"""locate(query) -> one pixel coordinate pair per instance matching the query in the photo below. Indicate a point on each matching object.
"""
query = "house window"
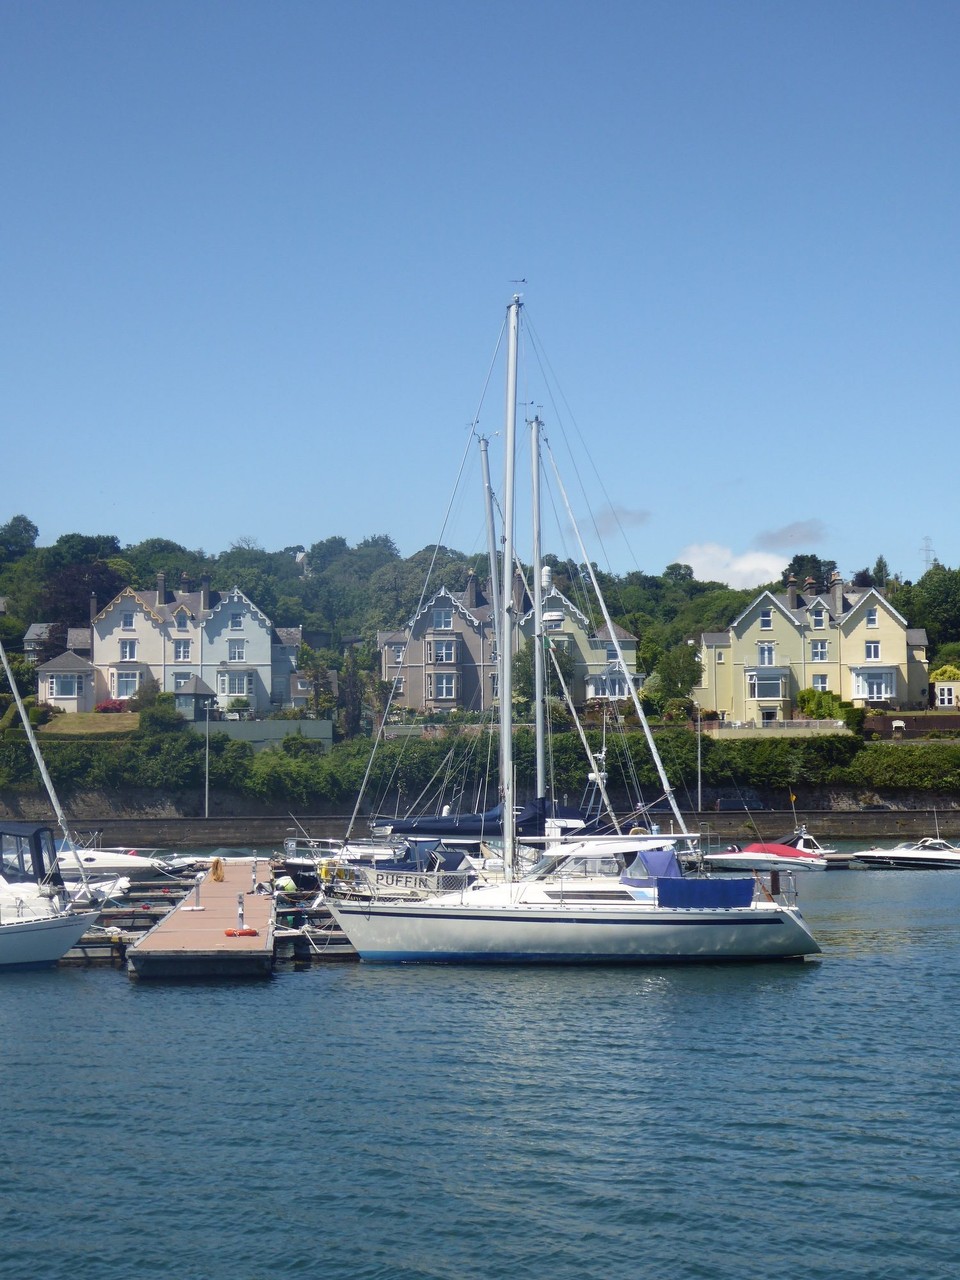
(443, 619)
(398, 684)
(612, 655)
(945, 696)
(719, 656)
(765, 655)
(445, 651)
(180, 678)
(871, 651)
(553, 622)
(236, 622)
(818, 619)
(181, 622)
(874, 687)
(126, 621)
(446, 686)
(820, 684)
(766, 619)
(236, 683)
(818, 650)
(181, 650)
(762, 686)
(127, 683)
(872, 617)
(235, 650)
(66, 686)
(128, 650)
(398, 651)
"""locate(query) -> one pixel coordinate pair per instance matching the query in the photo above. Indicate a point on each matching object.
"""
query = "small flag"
(793, 798)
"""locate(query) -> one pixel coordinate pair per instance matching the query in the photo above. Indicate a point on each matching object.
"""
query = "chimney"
(836, 588)
(470, 593)
(205, 591)
(809, 586)
(791, 592)
(161, 588)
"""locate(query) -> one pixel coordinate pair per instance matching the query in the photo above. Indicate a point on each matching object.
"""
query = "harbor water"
(420, 1123)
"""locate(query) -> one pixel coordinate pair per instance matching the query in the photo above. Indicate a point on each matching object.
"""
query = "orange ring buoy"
(242, 933)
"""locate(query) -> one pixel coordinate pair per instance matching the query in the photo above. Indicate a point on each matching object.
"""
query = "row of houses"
(213, 647)
(842, 640)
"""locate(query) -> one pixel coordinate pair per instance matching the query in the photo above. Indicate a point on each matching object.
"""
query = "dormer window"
(181, 622)
(766, 619)
(818, 619)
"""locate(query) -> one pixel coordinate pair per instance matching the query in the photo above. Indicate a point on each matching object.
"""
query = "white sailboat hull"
(434, 932)
(37, 943)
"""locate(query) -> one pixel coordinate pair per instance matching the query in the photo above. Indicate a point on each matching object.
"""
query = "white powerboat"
(764, 856)
(131, 864)
(37, 926)
(931, 852)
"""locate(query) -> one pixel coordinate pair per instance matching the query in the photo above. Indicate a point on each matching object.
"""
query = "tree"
(351, 694)
(315, 665)
(807, 565)
(881, 573)
(17, 537)
(679, 671)
(523, 680)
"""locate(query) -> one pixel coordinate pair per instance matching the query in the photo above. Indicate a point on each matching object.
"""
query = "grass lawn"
(85, 723)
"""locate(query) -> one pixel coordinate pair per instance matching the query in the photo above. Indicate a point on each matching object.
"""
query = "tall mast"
(539, 692)
(507, 615)
(491, 546)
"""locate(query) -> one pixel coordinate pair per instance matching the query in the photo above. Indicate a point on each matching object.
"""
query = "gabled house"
(445, 658)
(843, 640)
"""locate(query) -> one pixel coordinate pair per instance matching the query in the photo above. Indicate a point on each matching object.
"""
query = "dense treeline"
(408, 774)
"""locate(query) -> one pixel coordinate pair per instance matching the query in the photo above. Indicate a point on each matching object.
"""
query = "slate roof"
(69, 662)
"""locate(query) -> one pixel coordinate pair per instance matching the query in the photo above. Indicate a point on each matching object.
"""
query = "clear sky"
(257, 255)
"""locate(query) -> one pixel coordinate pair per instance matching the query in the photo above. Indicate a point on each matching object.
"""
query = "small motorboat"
(765, 855)
(132, 864)
(930, 853)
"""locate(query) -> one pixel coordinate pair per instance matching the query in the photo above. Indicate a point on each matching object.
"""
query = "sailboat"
(624, 900)
(37, 925)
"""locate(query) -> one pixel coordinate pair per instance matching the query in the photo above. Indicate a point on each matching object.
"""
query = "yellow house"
(844, 640)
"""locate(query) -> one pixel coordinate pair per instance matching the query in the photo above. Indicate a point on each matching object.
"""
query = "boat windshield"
(580, 864)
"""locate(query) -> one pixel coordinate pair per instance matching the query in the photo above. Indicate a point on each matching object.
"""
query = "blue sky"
(257, 256)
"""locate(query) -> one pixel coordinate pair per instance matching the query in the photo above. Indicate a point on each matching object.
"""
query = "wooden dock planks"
(197, 943)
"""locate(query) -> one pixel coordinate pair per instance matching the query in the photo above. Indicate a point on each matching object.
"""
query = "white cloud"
(711, 562)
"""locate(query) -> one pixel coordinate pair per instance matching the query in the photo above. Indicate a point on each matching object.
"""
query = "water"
(426, 1124)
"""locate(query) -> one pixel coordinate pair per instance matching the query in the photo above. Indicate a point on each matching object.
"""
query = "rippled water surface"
(405, 1124)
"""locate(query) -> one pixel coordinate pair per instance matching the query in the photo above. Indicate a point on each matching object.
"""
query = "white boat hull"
(431, 932)
(37, 943)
